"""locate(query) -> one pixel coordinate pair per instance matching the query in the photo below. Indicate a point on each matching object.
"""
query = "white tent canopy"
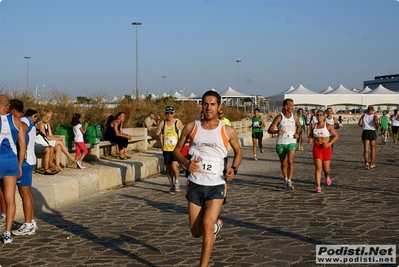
(341, 90)
(339, 96)
(380, 90)
(179, 96)
(327, 90)
(288, 90)
(192, 95)
(230, 93)
(301, 90)
(365, 90)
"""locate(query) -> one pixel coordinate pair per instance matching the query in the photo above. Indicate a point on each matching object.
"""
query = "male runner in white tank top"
(370, 124)
(206, 185)
(288, 128)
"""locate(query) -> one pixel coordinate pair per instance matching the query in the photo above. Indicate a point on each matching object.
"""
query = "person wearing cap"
(150, 120)
(223, 118)
(370, 124)
(168, 132)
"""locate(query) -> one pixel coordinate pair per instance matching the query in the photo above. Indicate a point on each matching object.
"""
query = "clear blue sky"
(83, 48)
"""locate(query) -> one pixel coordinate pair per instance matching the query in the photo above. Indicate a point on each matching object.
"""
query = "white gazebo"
(230, 94)
(338, 98)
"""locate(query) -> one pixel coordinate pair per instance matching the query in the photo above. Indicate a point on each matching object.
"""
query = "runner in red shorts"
(322, 148)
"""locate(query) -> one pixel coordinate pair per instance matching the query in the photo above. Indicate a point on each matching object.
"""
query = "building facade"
(390, 82)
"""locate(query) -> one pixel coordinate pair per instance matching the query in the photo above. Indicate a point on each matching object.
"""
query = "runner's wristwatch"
(235, 169)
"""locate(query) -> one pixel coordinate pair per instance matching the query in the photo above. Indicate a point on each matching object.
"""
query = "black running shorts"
(199, 194)
(369, 135)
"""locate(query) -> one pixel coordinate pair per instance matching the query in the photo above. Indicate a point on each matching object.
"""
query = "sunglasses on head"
(169, 113)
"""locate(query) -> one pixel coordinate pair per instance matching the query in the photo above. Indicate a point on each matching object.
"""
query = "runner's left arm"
(235, 145)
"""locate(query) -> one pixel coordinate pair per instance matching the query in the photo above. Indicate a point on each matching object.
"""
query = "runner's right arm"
(191, 166)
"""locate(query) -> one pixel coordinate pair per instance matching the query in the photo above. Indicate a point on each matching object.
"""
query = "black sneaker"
(172, 189)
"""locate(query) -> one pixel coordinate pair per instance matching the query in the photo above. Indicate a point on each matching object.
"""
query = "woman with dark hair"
(79, 131)
(114, 133)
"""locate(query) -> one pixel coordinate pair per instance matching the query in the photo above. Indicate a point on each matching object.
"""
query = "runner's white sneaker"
(177, 186)
(24, 230)
(2, 220)
(218, 225)
(35, 227)
(285, 184)
(7, 238)
(289, 185)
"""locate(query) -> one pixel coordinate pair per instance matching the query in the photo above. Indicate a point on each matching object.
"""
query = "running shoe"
(289, 185)
(367, 167)
(219, 224)
(255, 158)
(79, 164)
(7, 238)
(177, 186)
(318, 189)
(285, 184)
(35, 227)
(328, 180)
(172, 189)
(372, 165)
(24, 230)
(2, 220)
(261, 150)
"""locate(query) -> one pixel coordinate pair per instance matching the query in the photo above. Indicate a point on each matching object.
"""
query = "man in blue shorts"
(206, 186)
(11, 159)
(24, 182)
(288, 128)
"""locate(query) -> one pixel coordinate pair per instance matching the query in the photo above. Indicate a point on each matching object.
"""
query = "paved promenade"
(143, 225)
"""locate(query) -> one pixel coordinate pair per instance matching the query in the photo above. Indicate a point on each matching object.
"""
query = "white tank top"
(330, 121)
(368, 122)
(395, 120)
(211, 146)
(78, 133)
(289, 126)
(8, 138)
(321, 132)
(30, 141)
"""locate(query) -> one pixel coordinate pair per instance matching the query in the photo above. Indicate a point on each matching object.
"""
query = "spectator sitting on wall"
(151, 120)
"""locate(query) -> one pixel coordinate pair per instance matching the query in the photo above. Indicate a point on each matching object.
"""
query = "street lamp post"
(182, 92)
(238, 61)
(43, 92)
(137, 58)
(164, 78)
(27, 72)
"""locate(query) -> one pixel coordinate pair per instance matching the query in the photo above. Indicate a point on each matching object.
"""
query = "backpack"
(176, 129)
(93, 134)
(67, 131)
